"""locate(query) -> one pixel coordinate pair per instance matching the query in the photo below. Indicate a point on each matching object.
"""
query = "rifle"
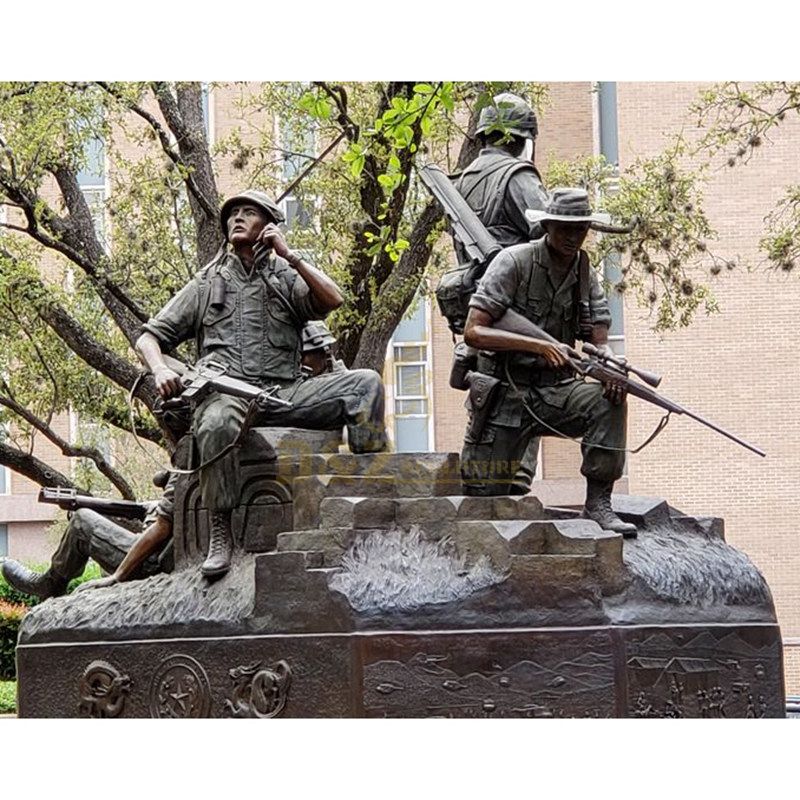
(199, 381)
(70, 500)
(610, 369)
(458, 285)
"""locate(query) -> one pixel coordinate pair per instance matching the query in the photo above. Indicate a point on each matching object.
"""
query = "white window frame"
(392, 387)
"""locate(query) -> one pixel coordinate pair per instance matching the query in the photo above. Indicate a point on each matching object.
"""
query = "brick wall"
(730, 367)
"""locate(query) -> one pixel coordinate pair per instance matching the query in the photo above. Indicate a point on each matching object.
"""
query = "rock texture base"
(382, 591)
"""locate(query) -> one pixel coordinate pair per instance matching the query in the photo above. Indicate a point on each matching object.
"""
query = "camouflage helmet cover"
(257, 198)
(511, 111)
(316, 335)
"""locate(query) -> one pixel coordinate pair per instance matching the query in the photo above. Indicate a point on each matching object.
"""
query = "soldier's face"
(245, 222)
(566, 238)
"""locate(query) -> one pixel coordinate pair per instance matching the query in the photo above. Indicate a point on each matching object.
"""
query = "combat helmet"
(511, 111)
(257, 198)
(316, 335)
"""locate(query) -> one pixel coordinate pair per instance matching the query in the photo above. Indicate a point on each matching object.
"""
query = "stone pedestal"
(370, 586)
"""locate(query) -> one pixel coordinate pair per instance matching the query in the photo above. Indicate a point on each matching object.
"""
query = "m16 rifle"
(199, 381)
(70, 500)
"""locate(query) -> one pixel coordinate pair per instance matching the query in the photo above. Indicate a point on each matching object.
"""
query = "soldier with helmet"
(318, 357)
(499, 186)
(246, 310)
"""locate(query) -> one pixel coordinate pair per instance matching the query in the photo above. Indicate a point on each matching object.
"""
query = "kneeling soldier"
(549, 282)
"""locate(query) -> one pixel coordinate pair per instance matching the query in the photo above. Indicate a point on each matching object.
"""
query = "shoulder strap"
(272, 284)
(500, 193)
(583, 277)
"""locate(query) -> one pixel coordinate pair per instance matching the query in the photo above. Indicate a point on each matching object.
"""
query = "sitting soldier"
(246, 311)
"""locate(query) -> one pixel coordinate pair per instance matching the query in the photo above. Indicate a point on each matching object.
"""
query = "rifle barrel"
(718, 429)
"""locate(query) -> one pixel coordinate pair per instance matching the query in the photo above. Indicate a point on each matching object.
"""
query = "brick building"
(724, 366)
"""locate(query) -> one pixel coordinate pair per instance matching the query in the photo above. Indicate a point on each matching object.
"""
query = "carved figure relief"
(707, 676)
(103, 690)
(258, 691)
(431, 685)
(180, 689)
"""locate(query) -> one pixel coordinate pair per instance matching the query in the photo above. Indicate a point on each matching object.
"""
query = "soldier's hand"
(168, 382)
(614, 392)
(272, 238)
(556, 355)
(97, 583)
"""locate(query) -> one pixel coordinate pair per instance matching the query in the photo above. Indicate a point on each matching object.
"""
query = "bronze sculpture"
(246, 310)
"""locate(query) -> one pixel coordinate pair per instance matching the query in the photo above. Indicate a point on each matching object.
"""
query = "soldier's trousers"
(575, 408)
(352, 398)
(91, 535)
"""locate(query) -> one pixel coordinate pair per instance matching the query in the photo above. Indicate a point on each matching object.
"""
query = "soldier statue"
(500, 185)
(549, 282)
(246, 310)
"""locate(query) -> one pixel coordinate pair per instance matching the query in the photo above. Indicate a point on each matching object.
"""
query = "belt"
(541, 377)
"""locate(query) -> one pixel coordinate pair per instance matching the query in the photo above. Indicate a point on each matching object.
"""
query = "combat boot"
(598, 508)
(41, 584)
(220, 545)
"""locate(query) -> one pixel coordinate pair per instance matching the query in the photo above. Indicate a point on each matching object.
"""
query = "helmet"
(255, 197)
(316, 335)
(511, 111)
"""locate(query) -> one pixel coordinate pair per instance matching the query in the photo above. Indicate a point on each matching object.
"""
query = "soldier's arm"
(325, 294)
(148, 348)
(146, 544)
(525, 191)
(175, 323)
(480, 333)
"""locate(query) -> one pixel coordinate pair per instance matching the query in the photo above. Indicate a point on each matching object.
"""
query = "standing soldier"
(499, 186)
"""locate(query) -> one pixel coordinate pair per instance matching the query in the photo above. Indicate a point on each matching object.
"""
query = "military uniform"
(499, 188)
(254, 330)
(520, 278)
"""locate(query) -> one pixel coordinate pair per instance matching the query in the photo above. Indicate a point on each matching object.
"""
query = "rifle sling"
(656, 431)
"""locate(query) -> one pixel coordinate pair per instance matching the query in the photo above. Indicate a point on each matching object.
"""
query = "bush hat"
(566, 205)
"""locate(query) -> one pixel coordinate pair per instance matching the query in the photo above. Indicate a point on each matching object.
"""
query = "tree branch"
(68, 449)
(33, 468)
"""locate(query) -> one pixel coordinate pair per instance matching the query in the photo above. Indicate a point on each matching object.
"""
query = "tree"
(737, 119)
(74, 297)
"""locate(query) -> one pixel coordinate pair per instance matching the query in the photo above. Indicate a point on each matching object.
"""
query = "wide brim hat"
(567, 205)
(257, 198)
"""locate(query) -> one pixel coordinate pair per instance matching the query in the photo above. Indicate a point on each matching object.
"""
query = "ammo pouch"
(454, 291)
(482, 393)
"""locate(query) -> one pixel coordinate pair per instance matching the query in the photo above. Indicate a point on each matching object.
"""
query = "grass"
(8, 697)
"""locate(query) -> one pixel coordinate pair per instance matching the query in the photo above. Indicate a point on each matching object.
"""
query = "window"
(3, 540)
(299, 149)
(616, 333)
(92, 180)
(410, 373)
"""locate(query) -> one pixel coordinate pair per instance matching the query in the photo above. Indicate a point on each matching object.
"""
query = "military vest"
(483, 185)
(554, 309)
(252, 328)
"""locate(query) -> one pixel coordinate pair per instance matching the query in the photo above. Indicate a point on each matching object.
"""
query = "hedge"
(11, 615)
(13, 605)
